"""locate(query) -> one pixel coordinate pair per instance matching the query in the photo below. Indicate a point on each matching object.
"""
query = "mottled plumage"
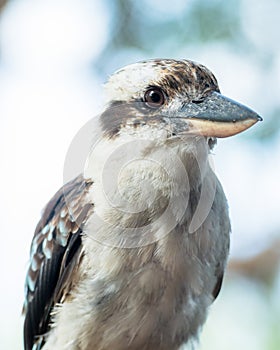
(55, 255)
(104, 275)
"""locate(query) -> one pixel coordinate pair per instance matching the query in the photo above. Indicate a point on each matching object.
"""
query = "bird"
(131, 253)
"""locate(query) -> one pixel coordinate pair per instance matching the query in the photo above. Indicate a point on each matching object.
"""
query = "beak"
(218, 116)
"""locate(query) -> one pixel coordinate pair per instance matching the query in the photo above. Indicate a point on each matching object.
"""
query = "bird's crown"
(172, 76)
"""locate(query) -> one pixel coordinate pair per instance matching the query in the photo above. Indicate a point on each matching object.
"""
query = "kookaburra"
(131, 253)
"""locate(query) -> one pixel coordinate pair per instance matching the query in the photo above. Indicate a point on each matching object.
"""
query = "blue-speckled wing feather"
(55, 253)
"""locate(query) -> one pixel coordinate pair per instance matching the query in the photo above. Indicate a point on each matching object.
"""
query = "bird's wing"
(218, 285)
(55, 254)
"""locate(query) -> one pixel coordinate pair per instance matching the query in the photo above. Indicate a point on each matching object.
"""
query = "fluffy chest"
(150, 297)
(146, 279)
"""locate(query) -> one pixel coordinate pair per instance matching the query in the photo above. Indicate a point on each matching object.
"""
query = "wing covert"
(55, 253)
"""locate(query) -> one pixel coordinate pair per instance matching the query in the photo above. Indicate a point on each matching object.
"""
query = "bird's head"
(161, 119)
(181, 97)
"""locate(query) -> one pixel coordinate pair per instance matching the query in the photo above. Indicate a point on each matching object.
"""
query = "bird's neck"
(140, 185)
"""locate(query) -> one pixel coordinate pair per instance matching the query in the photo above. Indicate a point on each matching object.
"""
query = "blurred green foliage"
(134, 25)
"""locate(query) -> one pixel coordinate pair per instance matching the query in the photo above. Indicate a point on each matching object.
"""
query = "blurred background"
(54, 57)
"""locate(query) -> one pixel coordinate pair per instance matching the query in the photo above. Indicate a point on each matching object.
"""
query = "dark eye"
(154, 97)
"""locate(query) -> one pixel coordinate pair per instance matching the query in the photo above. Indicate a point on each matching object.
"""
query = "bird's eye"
(154, 97)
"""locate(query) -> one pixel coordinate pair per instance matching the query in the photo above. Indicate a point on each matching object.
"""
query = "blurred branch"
(262, 267)
(2, 4)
